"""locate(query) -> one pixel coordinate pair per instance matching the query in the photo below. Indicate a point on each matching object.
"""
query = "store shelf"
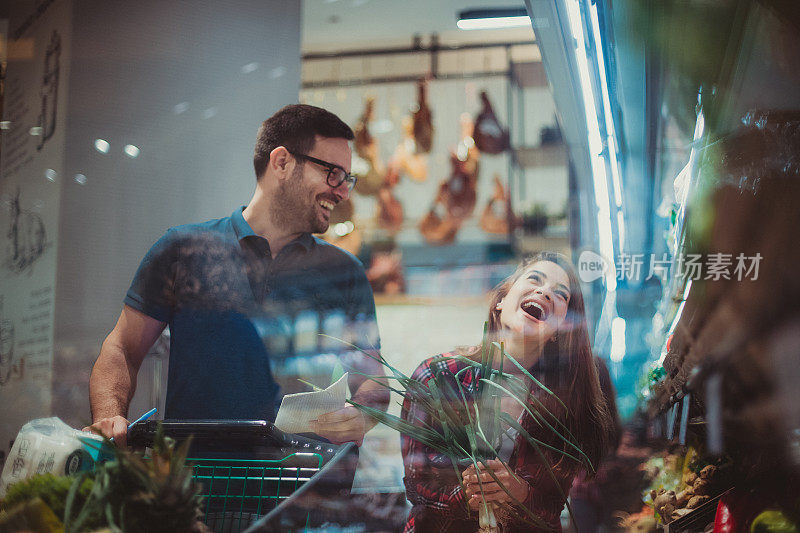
(528, 244)
(405, 299)
(698, 519)
(529, 74)
(735, 339)
(541, 156)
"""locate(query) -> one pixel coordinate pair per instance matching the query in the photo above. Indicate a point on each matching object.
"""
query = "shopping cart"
(255, 477)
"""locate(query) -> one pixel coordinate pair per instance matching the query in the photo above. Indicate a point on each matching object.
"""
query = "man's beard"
(289, 209)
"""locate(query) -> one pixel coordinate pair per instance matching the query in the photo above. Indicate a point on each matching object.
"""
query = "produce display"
(127, 493)
(773, 521)
(683, 483)
(686, 484)
(697, 491)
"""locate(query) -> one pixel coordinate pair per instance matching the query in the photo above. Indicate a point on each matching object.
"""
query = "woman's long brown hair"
(566, 366)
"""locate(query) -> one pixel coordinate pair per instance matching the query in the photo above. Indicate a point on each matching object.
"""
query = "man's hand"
(492, 491)
(348, 424)
(115, 428)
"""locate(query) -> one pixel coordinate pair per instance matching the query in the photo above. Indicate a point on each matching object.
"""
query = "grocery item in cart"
(48, 445)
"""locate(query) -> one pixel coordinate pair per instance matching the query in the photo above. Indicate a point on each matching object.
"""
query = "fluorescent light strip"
(699, 129)
(700, 126)
(618, 339)
(609, 118)
(607, 249)
(614, 164)
(680, 308)
(605, 235)
(687, 289)
(492, 23)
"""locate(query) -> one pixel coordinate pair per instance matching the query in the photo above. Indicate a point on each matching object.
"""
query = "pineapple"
(129, 493)
(140, 495)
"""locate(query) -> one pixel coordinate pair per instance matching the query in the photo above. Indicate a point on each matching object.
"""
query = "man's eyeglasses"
(336, 174)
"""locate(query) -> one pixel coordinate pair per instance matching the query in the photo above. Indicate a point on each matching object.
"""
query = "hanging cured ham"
(490, 137)
(367, 166)
(423, 122)
(390, 210)
(385, 272)
(350, 240)
(491, 222)
(363, 139)
(461, 186)
(457, 194)
(344, 213)
(370, 176)
(406, 159)
(439, 229)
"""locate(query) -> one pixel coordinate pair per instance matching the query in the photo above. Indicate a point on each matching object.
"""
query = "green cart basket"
(255, 477)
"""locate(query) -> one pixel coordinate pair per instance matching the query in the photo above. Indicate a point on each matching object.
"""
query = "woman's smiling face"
(536, 303)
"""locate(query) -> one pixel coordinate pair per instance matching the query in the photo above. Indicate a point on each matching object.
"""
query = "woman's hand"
(492, 491)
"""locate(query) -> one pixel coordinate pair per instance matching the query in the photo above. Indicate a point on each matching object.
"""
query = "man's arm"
(113, 379)
(350, 423)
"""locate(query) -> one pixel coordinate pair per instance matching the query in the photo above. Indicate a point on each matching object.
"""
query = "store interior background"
(188, 84)
(444, 304)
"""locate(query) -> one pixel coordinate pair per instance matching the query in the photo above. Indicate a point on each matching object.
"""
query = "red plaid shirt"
(431, 483)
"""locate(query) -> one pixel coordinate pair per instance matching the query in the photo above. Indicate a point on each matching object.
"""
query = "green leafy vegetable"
(466, 427)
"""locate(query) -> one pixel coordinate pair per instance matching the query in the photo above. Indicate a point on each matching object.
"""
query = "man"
(239, 292)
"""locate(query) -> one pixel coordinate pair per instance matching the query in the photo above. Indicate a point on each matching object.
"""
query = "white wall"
(33, 152)
(132, 64)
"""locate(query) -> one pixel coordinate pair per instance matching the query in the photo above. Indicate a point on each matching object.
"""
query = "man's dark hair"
(295, 127)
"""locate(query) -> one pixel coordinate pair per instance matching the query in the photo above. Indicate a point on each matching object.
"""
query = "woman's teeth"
(535, 310)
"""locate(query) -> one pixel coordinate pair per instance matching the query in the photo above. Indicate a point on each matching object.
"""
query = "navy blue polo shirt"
(232, 310)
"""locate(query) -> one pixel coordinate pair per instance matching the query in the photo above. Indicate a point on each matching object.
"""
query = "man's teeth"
(326, 204)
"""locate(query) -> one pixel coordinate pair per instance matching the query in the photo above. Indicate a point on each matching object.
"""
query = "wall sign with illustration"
(31, 172)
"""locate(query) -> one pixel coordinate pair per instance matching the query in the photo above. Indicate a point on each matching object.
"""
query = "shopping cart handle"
(229, 435)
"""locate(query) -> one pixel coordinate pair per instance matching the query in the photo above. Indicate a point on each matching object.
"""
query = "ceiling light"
(250, 67)
(131, 151)
(101, 145)
(486, 19)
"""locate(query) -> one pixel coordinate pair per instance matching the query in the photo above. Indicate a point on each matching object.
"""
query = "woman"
(538, 315)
